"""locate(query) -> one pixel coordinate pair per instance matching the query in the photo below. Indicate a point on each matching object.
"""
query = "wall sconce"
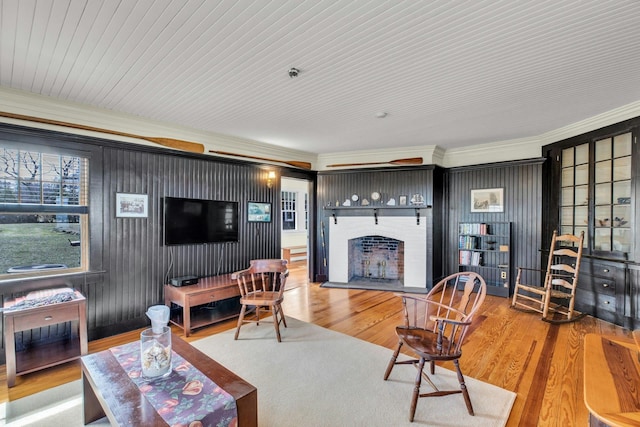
(270, 178)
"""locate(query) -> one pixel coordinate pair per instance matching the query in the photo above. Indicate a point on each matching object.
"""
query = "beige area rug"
(314, 377)
(318, 377)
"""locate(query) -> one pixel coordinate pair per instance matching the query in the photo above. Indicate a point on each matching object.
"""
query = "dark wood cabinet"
(602, 291)
(591, 185)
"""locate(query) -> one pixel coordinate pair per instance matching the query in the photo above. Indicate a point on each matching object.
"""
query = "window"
(289, 214)
(43, 212)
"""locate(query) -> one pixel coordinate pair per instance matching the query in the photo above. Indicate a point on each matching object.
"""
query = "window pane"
(582, 215)
(621, 240)
(567, 196)
(567, 157)
(567, 216)
(603, 194)
(585, 242)
(567, 177)
(45, 241)
(582, 154)
(621, 215)
(582, 174)
(602, 240)
(603, 171)
(582, 195)
(622, 192)
(603, 149)
(622, 145)
(622, 168)
(603, 216)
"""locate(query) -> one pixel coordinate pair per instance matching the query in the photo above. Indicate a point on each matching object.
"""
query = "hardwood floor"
(541, 362)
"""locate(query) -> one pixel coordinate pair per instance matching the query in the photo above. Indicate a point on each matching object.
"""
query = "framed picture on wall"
(259, 212)
(487, 200)
(131, 205)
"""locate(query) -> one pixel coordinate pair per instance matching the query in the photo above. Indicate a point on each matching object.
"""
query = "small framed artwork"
(259, 212)
(131, 205)
(402, 200)
(487, 200)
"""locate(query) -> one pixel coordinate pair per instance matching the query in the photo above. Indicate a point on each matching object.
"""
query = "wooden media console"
(211, 300)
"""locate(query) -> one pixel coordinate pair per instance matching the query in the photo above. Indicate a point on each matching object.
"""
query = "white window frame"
(47, 204)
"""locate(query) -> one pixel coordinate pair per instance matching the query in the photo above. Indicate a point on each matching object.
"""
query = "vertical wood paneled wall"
(129, 263)
(137, 263)
(390, 183)
(522, 183)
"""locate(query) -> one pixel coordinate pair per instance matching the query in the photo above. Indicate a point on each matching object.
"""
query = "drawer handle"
(605, 285)
(606, 270)
(48, 318)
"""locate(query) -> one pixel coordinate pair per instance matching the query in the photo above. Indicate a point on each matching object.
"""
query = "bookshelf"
(485, 248)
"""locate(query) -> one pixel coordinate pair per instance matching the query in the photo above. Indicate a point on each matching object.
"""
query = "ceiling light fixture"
(381, 115)
(293, 72)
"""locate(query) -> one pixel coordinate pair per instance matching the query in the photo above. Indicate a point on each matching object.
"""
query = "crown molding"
(431, 155)
(25, 103)
(21, 102)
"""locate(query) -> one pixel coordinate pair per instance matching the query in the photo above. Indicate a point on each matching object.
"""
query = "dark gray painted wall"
(128, 261)
(522, 183)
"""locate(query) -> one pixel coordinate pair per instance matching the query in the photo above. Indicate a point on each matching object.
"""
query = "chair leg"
(392, 362)
(280, 311)
(276, 324)
(463, 387)
(416, 390)
(240, 320)
(546, 302)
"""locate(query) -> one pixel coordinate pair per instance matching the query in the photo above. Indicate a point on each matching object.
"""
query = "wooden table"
(611, 381)
(45, 355)
(214, 289)
(108, 391)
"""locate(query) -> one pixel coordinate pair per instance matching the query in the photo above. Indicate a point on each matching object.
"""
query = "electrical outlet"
(503, 274)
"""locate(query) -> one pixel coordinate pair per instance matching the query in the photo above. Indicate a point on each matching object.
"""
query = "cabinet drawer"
(600, 285)
(214, 295)
(43, 318)
(591, 302)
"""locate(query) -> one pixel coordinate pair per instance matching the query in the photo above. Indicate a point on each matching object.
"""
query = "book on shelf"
(467, 257)
(473, 228)
(467, 242)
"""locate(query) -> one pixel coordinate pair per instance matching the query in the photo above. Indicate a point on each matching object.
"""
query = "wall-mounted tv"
(197, 221)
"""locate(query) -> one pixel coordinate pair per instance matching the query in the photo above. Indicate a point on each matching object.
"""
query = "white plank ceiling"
(448, 73)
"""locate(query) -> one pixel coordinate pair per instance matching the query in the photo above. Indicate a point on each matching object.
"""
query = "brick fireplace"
(376, 258)
(393, 250)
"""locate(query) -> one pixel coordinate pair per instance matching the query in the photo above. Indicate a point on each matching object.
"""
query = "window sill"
(28, 283)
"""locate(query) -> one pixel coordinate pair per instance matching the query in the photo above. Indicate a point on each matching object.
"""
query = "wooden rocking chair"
(560, 282)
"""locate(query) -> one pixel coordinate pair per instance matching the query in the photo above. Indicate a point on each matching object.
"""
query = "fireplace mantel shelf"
(336, 210)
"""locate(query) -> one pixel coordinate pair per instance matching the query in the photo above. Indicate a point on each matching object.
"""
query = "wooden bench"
(298, 251)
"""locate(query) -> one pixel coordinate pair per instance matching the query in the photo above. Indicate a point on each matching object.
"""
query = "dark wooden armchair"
(262, 287)
(435, 327)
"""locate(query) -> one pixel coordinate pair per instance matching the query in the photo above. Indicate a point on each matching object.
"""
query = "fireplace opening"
(376, 259)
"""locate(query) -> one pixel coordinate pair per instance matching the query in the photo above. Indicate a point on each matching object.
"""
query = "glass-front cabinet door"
(596, 193)
(574, 201)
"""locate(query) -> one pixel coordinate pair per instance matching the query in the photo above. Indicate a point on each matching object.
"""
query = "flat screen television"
(198, 221)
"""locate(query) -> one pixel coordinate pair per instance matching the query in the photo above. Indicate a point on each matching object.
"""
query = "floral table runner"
(186, 397)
